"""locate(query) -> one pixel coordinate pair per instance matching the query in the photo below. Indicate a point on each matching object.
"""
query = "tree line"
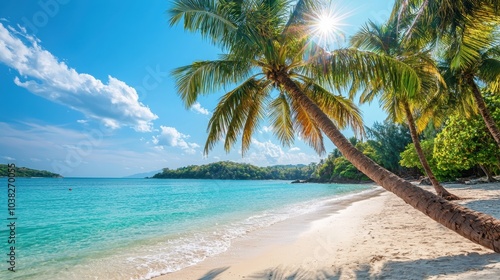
(228, 170)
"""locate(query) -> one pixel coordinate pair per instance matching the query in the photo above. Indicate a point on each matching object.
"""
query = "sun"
(326, 25)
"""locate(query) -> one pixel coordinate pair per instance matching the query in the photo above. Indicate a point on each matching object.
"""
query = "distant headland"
(27, 172)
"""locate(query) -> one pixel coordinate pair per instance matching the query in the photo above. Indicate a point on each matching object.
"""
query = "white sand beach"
(377, 236)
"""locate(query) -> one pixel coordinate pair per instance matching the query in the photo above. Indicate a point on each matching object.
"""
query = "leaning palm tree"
(464, 82)
(386, 40)
(271, 64)
(468, 29)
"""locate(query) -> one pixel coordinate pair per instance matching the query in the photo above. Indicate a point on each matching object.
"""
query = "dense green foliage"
(27, 172)
(336, 168)
(462, 144)
(386, 142)
(409, 158)
(465, 143)
(238, 171)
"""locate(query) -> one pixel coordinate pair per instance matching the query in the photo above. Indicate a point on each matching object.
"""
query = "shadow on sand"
(297, 274)
(489, 206)
(446, 265)
(408, 270)
(213, 273)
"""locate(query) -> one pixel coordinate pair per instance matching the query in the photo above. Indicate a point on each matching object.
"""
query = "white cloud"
(294, 149)
(267, 153)
(73, 153)
(82, 121)
(197, 108)
(115, 104)
(170, 137)
(270, 151)
(266, 129)
(9, 158)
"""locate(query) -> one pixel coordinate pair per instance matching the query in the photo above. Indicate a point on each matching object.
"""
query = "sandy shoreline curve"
(371, 236)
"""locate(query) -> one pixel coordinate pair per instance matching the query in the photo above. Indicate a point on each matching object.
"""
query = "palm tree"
(386, 40)
(468, 29)
(440, 16)
(267, 52)
(464, 81)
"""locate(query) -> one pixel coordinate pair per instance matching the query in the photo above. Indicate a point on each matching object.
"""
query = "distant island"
(228, 170)
(27, 172)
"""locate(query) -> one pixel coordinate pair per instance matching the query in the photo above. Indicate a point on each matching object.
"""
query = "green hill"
(27, 172)
(237, 171)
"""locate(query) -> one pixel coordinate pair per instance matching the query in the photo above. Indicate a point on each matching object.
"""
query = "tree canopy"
(27, 172)
(464, 143)
(238, 171)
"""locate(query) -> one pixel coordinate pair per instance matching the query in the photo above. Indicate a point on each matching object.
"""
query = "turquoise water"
(141, 228)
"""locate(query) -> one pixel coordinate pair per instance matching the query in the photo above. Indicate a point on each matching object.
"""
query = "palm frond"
(207, 76)
(434, 112)
(281, 120)
(298, 16)
(372, 38)
(370, 69)
(459, 94)
(307, 127)
(255, 113)
(211, 18)
(232, 112)
(466, 51)
(341, 110)
(489, 72)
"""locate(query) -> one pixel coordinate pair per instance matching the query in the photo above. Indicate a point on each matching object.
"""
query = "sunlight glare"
(326, 25)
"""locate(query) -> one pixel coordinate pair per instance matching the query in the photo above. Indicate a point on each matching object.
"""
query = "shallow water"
(141, 228)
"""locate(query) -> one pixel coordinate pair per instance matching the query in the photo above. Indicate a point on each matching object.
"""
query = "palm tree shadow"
(213, 273)
(426, 268)
(281, 273)
(416, 269)
(489, 206)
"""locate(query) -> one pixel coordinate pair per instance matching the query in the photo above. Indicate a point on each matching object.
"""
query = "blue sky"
(86, 90)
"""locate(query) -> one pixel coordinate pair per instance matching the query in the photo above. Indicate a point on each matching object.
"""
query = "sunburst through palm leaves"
(326, 24)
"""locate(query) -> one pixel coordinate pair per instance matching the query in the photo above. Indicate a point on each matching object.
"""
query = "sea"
(100, 228)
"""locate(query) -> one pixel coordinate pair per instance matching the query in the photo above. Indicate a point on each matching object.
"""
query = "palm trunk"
(478, 227)
(440, 190)
(485, 113)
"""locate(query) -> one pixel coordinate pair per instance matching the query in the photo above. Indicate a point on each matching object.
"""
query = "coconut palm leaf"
(281, 119)
(307, 127)
(367, 68)
(489, 71)
(233, 112)
(208, 17)
(342, 111)
(207, 76)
